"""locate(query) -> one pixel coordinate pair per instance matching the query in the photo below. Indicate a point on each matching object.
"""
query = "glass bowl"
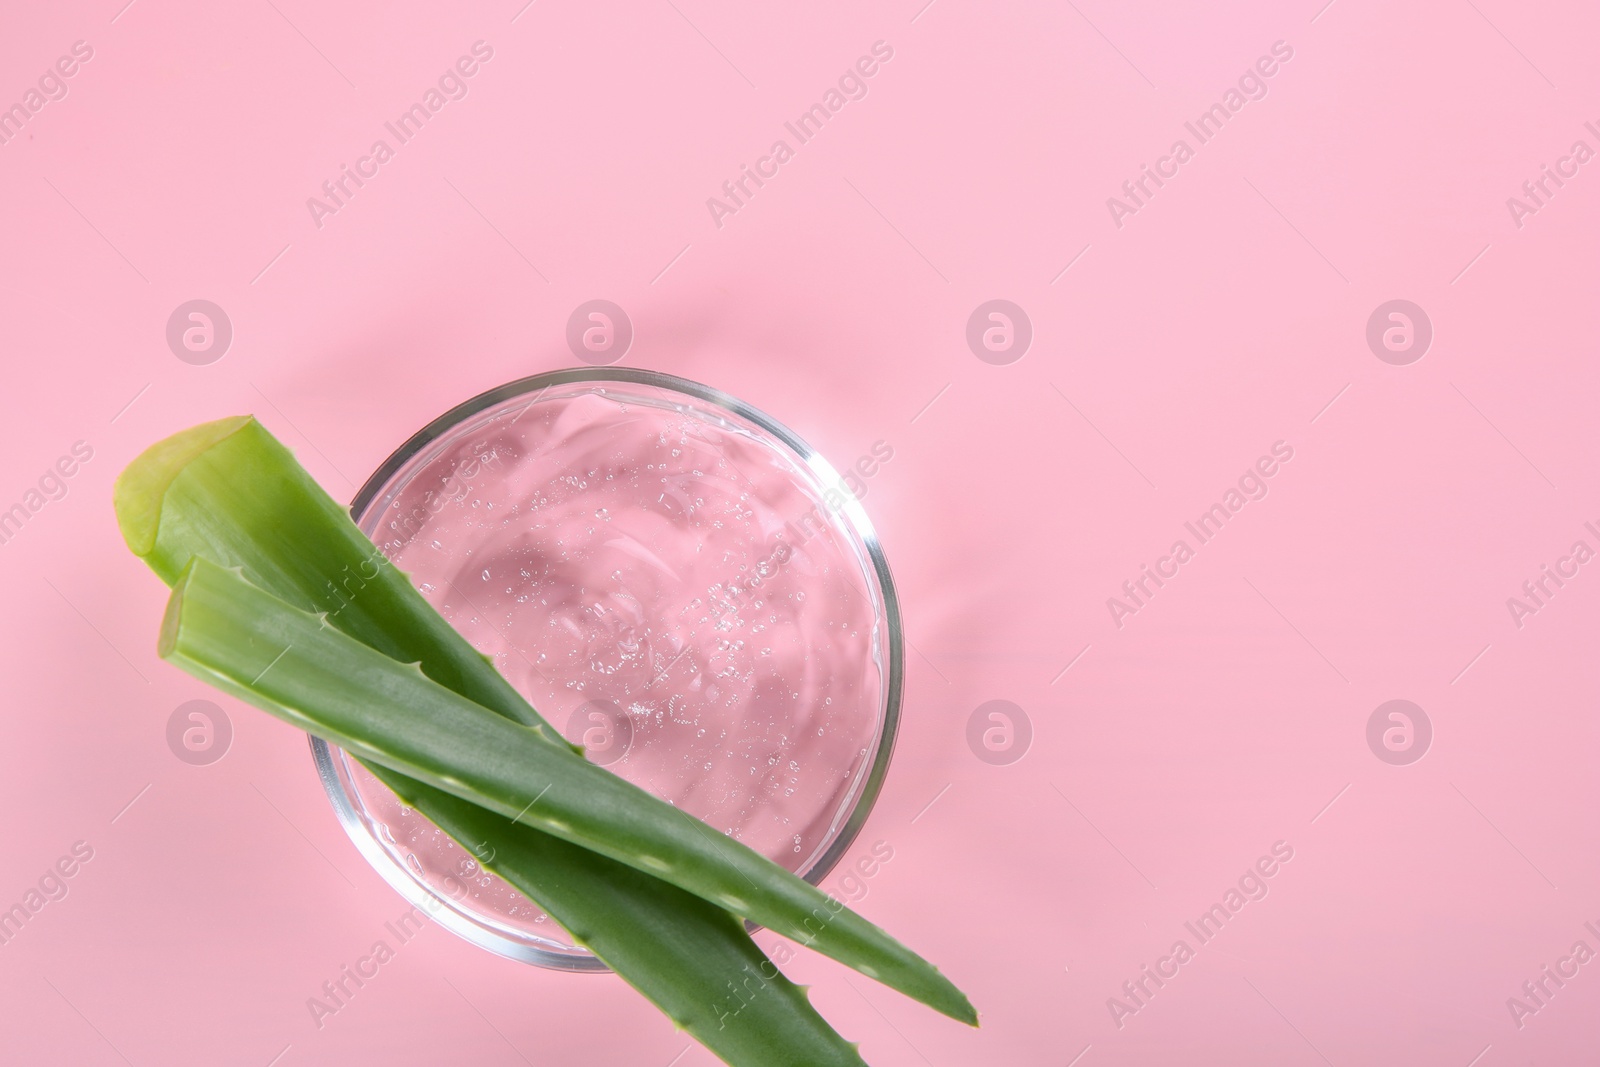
(677, 582)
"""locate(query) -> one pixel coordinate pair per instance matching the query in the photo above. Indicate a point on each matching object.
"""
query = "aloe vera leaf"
(230, 491)
(702, 968)
(692, 959)
(243, 640)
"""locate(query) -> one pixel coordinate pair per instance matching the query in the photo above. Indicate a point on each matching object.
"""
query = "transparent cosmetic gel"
(664, 573)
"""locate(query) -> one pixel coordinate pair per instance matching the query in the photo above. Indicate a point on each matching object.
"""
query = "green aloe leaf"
(230, 491)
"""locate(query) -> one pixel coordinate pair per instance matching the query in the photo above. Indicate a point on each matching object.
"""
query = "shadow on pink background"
(1175, 342)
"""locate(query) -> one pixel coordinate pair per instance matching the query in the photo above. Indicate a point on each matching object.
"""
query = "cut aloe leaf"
(701, 969)
(293, 664)
(231, 492)
(693, 960)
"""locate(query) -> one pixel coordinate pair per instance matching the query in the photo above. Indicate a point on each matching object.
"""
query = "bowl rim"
(581, 960)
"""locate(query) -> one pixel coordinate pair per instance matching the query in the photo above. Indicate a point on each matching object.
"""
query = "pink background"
(1227, 314)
